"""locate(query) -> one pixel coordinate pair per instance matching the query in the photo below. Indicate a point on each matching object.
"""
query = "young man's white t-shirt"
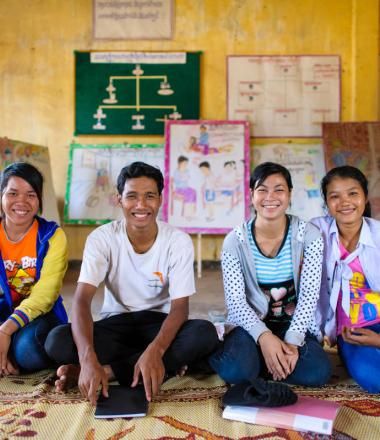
(135, 282)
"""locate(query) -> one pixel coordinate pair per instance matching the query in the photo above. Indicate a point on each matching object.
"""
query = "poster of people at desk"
(207, 173)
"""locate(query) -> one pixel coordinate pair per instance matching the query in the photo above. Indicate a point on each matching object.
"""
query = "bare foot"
(182, 371)
(67, 377)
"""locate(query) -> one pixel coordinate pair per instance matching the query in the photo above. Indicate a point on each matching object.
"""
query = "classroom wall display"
(206, 172)
(16, 151)
(306, 165)
(134, 92)
(91, 196)
(134, 19)
(284, 96)
(356, 144)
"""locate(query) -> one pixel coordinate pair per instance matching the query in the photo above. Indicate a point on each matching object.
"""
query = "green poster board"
(134, 92)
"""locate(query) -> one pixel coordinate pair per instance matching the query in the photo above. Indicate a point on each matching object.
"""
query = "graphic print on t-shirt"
(21, 282)
(157, 281)
(282, 301)
(20, 261)
(364, 302)
(21, 277)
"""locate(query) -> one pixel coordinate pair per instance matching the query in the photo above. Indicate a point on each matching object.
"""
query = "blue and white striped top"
(276, 269)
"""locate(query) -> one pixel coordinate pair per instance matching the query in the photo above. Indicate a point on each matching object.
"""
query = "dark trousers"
(27, 347)
(120, 340)
(240, 359)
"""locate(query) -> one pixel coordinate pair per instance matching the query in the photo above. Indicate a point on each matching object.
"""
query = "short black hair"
(204, 164)
(347, 172)
(27, 172)
(266, 169)
(182, 159)
(140, 169)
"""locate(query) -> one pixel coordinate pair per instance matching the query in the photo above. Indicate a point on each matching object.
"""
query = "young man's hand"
(151, 367)
(92, 374)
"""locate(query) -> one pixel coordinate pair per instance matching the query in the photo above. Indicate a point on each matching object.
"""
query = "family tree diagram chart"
(284, 96)
(91, 196)
(134, 92)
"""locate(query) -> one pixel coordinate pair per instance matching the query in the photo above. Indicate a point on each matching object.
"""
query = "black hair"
(266, 169)
(182, 159)
(230, 162)
(204, 164)
(139, 169)
(347, 172)
(27, 172)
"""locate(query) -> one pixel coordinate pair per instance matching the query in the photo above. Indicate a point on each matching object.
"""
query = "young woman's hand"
(11, 368)
(361, 336)
(275, 353)
(293, 357)
(5, 342)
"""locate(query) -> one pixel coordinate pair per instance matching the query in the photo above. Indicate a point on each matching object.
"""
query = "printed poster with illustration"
(306, 165)
(207, 173)
(356, 144)
(284, 96)
(91, 196)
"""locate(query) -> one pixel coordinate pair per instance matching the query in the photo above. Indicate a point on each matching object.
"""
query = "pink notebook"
(308, 414)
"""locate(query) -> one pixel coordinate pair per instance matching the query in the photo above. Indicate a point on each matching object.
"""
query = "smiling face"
(140, 202)
(271, 198)
(345, 201)
(19, 203)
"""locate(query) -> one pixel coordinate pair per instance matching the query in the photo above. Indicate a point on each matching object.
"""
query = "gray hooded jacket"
(247, 305)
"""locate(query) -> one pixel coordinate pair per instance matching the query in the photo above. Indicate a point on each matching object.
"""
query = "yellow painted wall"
(38, 37)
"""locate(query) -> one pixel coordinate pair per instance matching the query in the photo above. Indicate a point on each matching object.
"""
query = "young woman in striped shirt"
(272, 268)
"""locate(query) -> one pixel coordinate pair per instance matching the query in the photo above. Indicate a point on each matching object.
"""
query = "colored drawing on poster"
(207, 170)
(306, 165)
(91, 196)
(356, 144)
(37, 155)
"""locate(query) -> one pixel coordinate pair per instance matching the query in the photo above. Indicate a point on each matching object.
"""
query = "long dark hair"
(27, 172)
(347, 172)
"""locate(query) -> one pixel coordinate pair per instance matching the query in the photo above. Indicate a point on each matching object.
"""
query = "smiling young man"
(147, 267)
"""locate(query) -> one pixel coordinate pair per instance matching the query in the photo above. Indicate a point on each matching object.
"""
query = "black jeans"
(121, 339)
